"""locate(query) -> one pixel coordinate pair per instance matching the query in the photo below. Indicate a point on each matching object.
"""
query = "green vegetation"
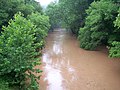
(23, 28)
(98, 25)
(42, 27)
(68, 13)
(54, 14)
(115, 43)
(17, 50)
(4, 85)
(10, 7)
(95, 22)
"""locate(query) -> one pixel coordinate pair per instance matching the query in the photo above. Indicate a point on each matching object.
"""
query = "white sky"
(45, 2)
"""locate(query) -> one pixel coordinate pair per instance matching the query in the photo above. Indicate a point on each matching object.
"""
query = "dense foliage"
(54, 14)
(68, 13)
(4, 85)
(98, 25)
(21, 41)
(115, 43)
(18, 51)
(95, 18)
(42, 27)
(99, 28)
(22, 36)
(10, 7)
(74, 13)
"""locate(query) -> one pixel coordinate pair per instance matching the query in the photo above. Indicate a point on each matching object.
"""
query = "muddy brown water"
(67, 67)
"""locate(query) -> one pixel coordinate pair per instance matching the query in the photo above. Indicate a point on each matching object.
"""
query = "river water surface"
(67, 67)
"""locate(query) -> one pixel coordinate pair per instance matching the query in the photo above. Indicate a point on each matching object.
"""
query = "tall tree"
(98, 24)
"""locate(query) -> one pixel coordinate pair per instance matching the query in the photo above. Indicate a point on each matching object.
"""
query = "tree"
(74, 13)
(10, 7)
(98, 24)
(68, 13)
(42, 27)
(18, 54)
(54, 13)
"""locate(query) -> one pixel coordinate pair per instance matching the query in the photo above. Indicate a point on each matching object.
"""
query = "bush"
(10, 7)
(115, 39)
(98, 25)
(18, 52)
(4, 85)
(115, 50)
(42, 24)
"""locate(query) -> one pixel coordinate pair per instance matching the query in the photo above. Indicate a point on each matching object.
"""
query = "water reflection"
(67, 67)
(54, 78)
(57, 48)
(53, 72)
(56, 66)
(71, 71)
(46, 59)
(53, 75)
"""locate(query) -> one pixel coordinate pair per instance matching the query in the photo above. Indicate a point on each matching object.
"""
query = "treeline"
(23, 28)
(68, 13)
(94, 22)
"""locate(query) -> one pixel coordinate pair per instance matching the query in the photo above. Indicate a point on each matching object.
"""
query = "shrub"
(42, 24)
(115, 49)
(18, 52)
(98, 25)
(4, 85)
(115, 39)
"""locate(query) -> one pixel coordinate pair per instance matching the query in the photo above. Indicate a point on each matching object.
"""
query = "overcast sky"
(45, 2)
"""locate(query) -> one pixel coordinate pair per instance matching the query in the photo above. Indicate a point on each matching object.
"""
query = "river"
(67, 67)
